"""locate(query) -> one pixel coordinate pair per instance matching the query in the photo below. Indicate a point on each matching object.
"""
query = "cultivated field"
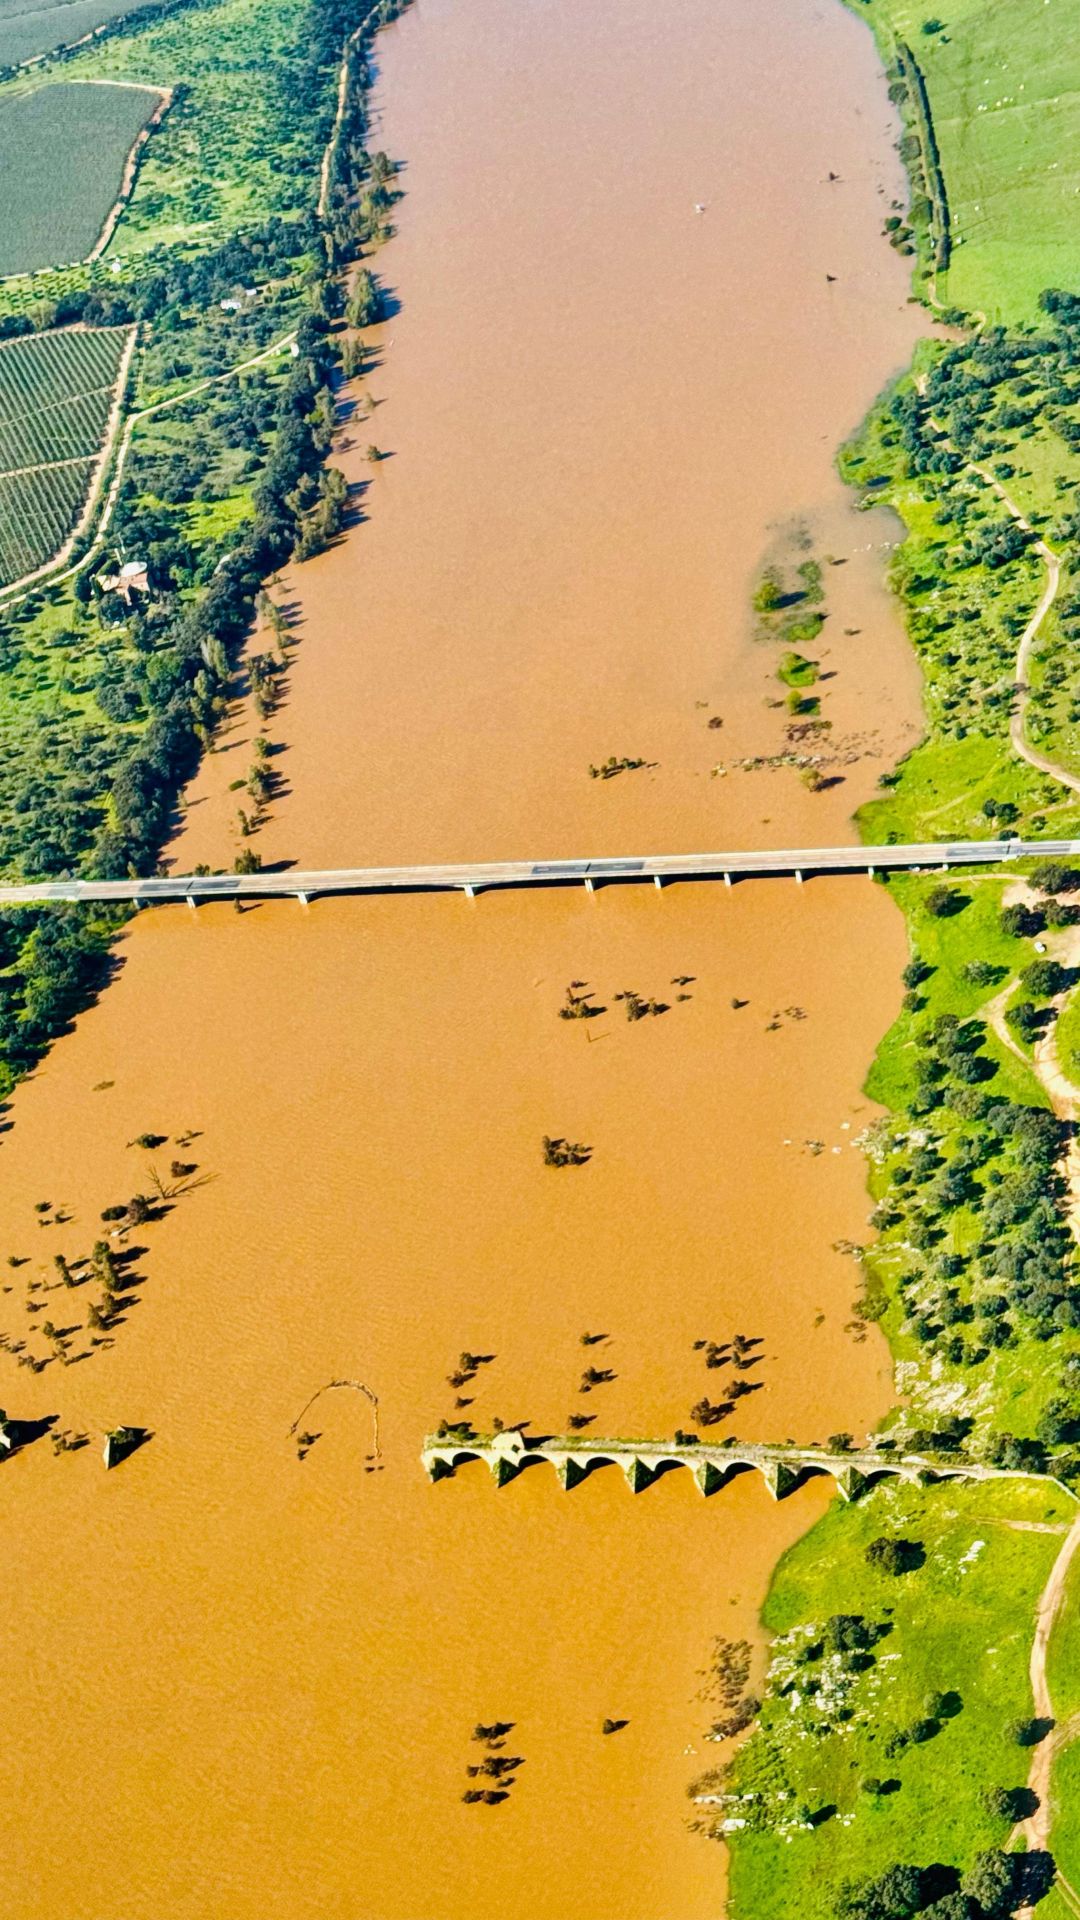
(56, 390)
(234, 152)
(27, 29)
(68, 135)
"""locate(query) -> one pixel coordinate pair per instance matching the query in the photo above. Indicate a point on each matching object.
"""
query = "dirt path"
(1034, 626)
(9, 595)
(339, 115)
(1064, 1099)
(131, 164)
(1030, 634)
(1036, 1828)
(994, 1014)
(112, 428)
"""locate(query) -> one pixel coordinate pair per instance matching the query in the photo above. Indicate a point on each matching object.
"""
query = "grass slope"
(1004, 83)
(960, 1626)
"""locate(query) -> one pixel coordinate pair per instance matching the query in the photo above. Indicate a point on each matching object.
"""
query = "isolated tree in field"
(1009, 1803)
(1027, 1732)
(942, 902)
(981, 973)
(1025, 1019)
(990, 1881)
(1052, 876)
(1044, 978)
(895, 1555)
(1022, 923)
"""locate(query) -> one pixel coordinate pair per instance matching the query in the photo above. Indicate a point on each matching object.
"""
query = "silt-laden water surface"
(242, 1684)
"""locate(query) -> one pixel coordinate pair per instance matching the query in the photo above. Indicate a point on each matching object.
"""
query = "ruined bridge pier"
(783, 1469)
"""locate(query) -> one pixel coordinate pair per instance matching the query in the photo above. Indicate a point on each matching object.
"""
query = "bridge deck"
(306, 884)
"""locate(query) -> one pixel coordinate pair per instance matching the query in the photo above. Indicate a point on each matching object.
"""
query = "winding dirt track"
(1036, 1827)
(1029, 636)
(1034, 626)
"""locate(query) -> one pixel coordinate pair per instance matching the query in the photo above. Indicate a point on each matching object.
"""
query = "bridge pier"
(192, 903)
(589, 887)
(638, 1473)
(657, 882)
(779, 1477)
(571, 1472)
(469, 891)
(710, 1478)
(727, 878)
(303, 899)
(798, 876)
(504, 1468)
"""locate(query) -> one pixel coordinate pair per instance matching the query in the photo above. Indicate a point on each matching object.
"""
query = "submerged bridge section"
(713, 1466)
(473, 878)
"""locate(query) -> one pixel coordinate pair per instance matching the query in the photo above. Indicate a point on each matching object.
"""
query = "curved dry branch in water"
(357, 1386)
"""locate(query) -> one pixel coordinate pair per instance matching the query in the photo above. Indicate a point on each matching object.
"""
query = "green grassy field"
(1065, 1832)
(959, 1626)
(1004, 85)
(62, 154)
(1068, 1038)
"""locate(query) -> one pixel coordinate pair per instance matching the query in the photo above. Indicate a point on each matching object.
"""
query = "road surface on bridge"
(479, 877)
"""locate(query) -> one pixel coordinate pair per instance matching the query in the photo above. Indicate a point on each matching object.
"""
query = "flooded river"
(244, 1684)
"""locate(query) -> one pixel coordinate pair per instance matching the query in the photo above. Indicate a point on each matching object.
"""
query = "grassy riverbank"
(1004, 89)
(972, 1269)
(887, 1732)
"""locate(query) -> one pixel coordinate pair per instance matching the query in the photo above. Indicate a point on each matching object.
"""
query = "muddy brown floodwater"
(242, 1684)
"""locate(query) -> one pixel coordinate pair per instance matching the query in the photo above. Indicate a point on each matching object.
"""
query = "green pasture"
(956, 1636)
(1004, 84)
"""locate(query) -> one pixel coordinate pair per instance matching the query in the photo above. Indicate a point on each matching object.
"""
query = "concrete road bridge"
(473, 878)
(783, 1468)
